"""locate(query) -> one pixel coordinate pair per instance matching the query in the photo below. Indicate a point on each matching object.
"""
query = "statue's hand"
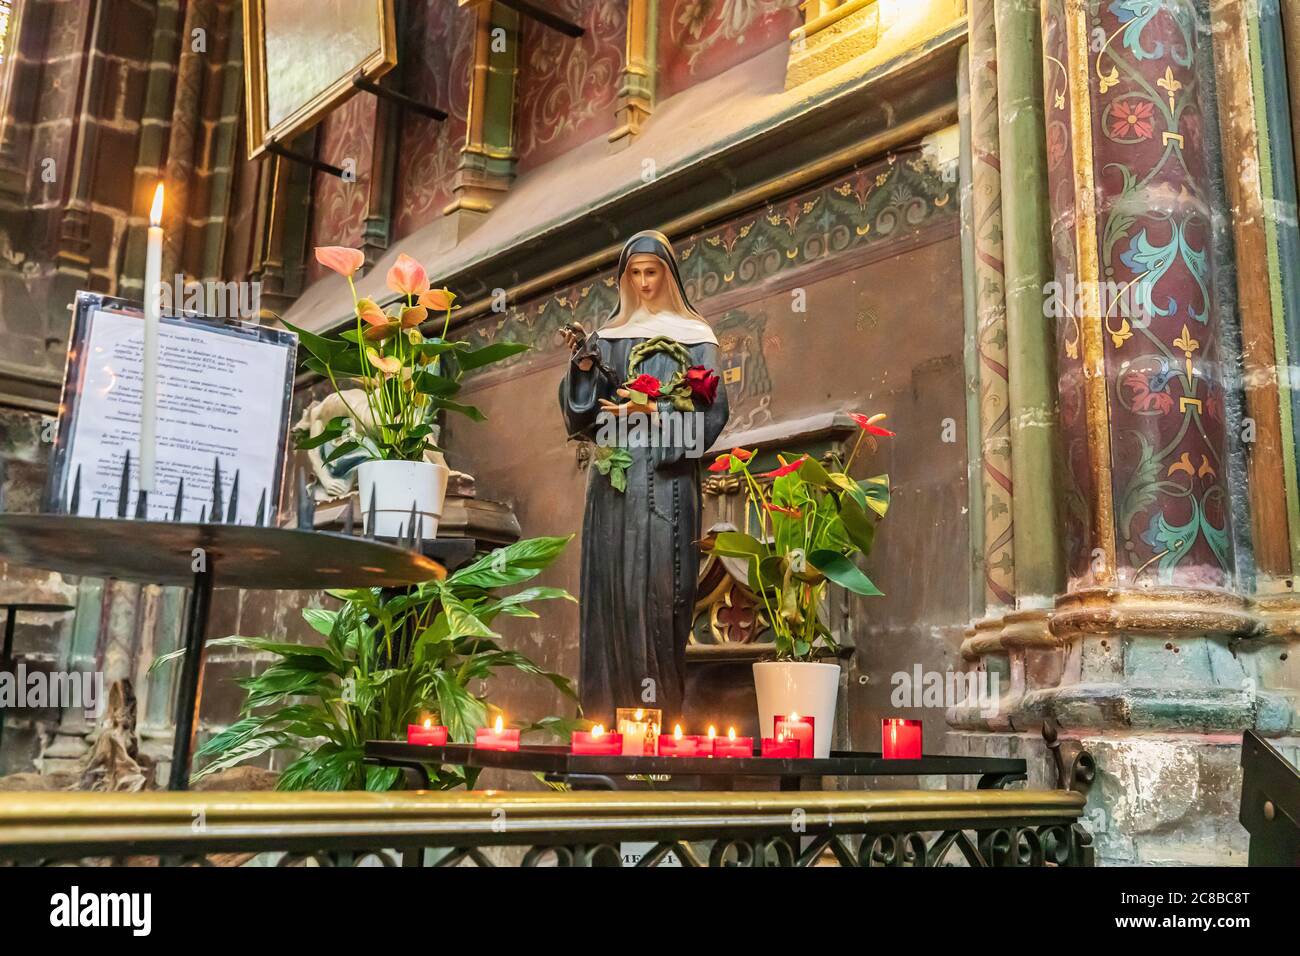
(575, 336)
(627, 408)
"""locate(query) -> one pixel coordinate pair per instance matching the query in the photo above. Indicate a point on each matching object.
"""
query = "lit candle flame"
(598, 730)
(500, 724)
(428, 724)
(155, 211)
(731, 732)
(793, 716)
(713, 731)
(640, 714)
(677, 731)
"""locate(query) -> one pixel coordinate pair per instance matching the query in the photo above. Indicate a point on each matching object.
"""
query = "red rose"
(703, 383)
(647, 385)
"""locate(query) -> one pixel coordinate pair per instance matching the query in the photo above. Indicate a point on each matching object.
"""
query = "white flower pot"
(393, 486)
(796, 687)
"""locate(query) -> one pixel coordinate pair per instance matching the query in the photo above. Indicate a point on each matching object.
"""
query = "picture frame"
(301, 58)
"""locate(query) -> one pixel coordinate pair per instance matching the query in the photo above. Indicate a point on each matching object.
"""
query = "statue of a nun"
(645, 389)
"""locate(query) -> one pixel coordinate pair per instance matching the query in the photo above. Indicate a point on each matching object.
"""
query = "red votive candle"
(496, 738)
(799, 729)
(704, 743)
(787, 749)
(597, 742)
(426, 734)
(900, 739)
(733, 746)
(677, 745)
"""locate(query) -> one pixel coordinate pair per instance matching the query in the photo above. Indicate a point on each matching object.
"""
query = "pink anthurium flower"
(381, 333)
(388, 364)
(413, 316)
(341, 259)
(437, 300)
(407, 276)
(370, 312)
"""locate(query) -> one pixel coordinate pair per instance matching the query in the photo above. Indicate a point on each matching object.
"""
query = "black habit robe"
(640, 550)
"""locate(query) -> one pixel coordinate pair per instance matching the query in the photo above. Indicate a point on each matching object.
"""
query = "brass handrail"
(45, 825)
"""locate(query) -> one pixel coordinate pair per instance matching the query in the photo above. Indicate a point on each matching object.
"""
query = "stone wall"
(41, 641)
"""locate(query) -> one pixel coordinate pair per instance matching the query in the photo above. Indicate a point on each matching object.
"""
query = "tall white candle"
(149, 383)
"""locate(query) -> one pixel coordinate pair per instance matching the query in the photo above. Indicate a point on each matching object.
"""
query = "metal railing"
(581, 828)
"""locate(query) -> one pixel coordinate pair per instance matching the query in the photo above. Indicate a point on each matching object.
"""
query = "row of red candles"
(793, 737)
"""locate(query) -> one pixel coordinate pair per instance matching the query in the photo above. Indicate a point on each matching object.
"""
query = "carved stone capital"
(1178, 610)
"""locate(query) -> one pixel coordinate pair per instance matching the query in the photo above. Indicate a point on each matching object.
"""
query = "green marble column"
(1031, 365)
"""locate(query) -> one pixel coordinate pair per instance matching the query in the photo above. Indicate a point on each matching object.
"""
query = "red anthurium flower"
(407, 276)
(724, 461)
(647, 385)
(786, 469)
(778, 509)
(371, 313)
(869, 425)
(341, 259)
(703, 383)
(437, 300)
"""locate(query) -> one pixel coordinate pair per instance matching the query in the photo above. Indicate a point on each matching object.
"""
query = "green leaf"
(461, 621)
(321, 620)
(250, 748)
(326, 350)
(436, 347)
(341, 449)
(524, 664)
(856, 523)
(813, 472)
(877, 491)
(469, 411)
(489, 354)
(335, 428)
(513, 605)
(381, 779)
(167, 658)
(737, 544)
(767, 574)
(513, 564)
(461, 711)
(241, 730)
(843, 572)
(562, 727)
(434, 385)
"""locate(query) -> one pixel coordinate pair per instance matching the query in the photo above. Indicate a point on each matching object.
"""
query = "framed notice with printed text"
(224, 394)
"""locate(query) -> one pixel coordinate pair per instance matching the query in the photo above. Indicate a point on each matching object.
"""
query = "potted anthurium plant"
(813, 521)
(403, 378)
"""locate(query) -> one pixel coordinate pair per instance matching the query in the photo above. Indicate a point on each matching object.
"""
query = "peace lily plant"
(814, 520)
(402, 379)
(388, 659)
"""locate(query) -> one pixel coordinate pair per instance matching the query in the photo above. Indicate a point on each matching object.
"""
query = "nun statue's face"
(648, 275)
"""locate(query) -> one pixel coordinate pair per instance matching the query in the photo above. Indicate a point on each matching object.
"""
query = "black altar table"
(204, 557)
(587, 772)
